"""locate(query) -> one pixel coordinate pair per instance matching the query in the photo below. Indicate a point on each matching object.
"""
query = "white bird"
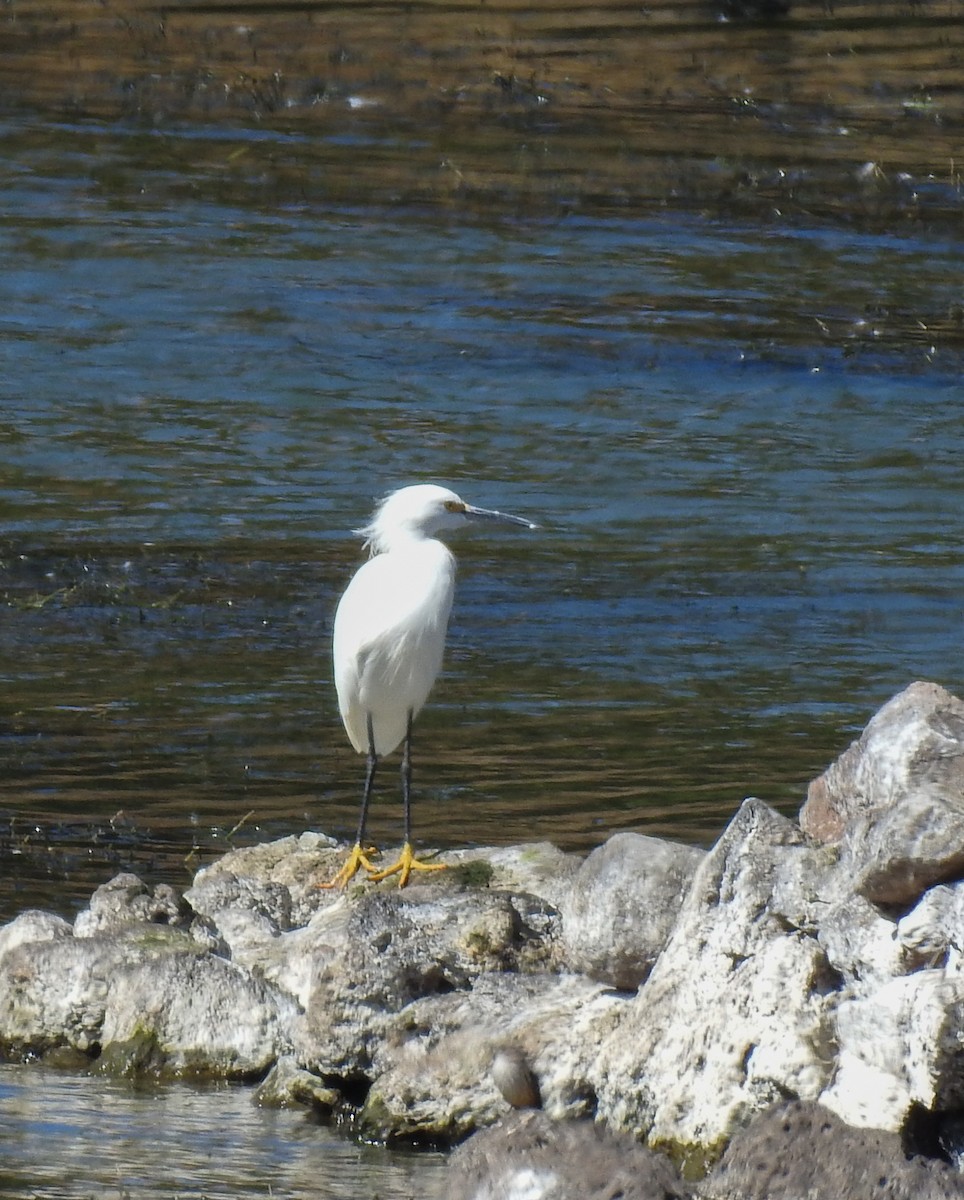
(388, 640)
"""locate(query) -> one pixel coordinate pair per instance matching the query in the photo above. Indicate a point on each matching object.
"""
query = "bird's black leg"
(407, 781)
(370, 765)
(407, 862)
(361, 855)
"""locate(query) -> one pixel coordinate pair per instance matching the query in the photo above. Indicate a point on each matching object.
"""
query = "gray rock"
(33, 925)
(288, 1084)
(53, 994)
(433, 1076)
(295, 864)
(126, 900)
(193, 1015)
(737, 1012)
(141, 998)
(375, 955)
(214, 892)
(622, 906)
(896, 798)
(803, 1152)
(529, 1157)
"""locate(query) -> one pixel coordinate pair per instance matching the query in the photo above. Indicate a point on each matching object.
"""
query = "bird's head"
(422, 511)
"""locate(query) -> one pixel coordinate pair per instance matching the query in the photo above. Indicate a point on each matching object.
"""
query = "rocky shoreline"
(775, 1017)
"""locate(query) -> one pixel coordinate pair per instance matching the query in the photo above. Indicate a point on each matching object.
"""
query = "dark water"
(748, 487)
(741, 438)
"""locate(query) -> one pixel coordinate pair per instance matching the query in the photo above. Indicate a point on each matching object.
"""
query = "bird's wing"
(388, 638)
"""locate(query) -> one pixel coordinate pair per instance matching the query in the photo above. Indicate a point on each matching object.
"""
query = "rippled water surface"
(740, 434)
(745, 466)
(112, 1141)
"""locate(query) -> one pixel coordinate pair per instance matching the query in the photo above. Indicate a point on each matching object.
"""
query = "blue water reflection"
(745, 467)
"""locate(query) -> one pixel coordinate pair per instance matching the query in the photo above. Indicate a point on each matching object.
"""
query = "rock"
(126, 900)
(433, 1078)
(534, 868)
(529, 1157)
(899, 1047)
(737, 1011)
(896, 798)
(622, 906)
(143, 999)
(53, 994)
(932, 933)
(214, 892)
(299, 864)
(193, 1015)
(869, 949)
(288, 1084)
(861, 944)
(376, 955)
(295, 864)
(801, 1151)
(772, 967)
(33, 925)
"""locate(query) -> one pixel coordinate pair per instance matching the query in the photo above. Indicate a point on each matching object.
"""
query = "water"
(740, 435)
(113, 1141)
(747, 486)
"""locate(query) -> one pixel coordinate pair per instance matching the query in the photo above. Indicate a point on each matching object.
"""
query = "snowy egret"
(388, 639)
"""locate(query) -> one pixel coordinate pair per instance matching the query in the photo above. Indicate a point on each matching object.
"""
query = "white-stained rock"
(737, 1011)
(896, 798)
(932, 933)
(126, 900)
(33, 925)
(861, 944)
(143, 997)
(301, 863)
(215, 891)
(376, 955)
(433, 1077)
(622, 905)
(283, 875)
(53, 994)
(900, 1045)
(190, 1014)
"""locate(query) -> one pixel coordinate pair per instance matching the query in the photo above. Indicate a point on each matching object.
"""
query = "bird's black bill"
(490, 514)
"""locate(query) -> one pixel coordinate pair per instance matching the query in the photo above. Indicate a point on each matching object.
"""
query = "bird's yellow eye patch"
(455, 506)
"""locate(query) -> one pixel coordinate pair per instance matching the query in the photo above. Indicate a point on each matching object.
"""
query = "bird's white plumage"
(390, 625)
(389, 637)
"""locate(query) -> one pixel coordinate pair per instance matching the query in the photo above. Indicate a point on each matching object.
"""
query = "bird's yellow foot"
(356, 860)
(406, 864)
